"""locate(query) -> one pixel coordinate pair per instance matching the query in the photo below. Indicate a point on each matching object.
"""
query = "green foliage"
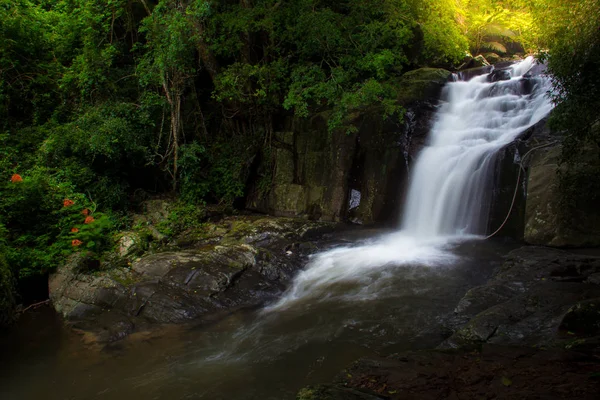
(40, 220)
(27, 70)
(491, 24)
(7, 287)
(192, 172)
(572, 38)
(182, 216)
(579, 187)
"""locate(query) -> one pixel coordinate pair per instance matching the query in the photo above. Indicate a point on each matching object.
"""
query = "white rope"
(521, 169)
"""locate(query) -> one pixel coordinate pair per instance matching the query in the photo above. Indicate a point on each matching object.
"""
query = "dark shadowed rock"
(494, 372)
(499, 75)
(531, 300)
(559, 217)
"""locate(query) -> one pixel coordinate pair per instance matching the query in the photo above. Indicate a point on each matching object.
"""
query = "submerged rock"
(215, 269)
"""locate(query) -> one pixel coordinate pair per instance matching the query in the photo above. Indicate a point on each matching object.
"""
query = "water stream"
(388, 292)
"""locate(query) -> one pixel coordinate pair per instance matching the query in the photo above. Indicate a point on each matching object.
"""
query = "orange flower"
(68, 203)
(16, 178)
(89, 220)
(76, 242)
(74, 230)
(85, 212)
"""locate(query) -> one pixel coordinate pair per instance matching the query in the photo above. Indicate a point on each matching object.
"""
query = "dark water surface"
(250, 354)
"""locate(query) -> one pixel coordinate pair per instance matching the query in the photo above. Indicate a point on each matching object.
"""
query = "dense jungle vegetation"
(104, 103)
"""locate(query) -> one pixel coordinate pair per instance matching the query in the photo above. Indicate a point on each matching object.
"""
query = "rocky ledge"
(532, 331)
(216, 269)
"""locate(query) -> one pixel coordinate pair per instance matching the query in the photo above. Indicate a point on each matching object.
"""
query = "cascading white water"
(452, 179)
(449, 194)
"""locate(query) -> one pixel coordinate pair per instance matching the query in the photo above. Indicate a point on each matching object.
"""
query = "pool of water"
(252, 354)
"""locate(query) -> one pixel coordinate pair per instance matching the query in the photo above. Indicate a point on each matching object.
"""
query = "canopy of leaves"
(570, 31)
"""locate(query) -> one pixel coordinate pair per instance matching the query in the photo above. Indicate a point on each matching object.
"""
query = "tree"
(168, 62)
(570, 33)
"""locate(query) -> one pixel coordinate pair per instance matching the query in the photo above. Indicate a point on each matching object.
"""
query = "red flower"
(85, 211)
(89, 220)
(76, 242)
(68, 203)
(16, 178)
(74, 230)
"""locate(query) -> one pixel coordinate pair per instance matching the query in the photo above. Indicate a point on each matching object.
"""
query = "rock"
(129, 244)
(559, 215)
(492, 58)
(493, 372)
(475, 62)
(499, 75)
(583, 319)
(239, 262)
(156, 210)
(480, 61)
(330, 392)
(529, 301)
(470, 73)
(316, 171)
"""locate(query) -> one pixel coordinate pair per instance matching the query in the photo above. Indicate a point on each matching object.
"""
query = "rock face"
(539, 297)
(240, 262)
(562, 215)
(360, 176)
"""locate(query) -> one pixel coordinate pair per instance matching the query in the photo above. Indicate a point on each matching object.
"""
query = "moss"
(124, 278)
(306, 394)
(421, 84)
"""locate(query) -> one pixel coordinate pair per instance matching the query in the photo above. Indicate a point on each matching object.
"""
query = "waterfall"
(450, 190)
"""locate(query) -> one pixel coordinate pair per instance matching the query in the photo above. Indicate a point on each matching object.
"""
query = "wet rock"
(499, 75)
(528, 299)
(237, 263)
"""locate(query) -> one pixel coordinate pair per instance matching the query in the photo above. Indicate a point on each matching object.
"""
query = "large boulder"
(333, 176)
(562, 200)
(238, 262)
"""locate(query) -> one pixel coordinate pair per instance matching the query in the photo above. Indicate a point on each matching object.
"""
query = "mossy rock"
(583, 319)
(422, 84)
